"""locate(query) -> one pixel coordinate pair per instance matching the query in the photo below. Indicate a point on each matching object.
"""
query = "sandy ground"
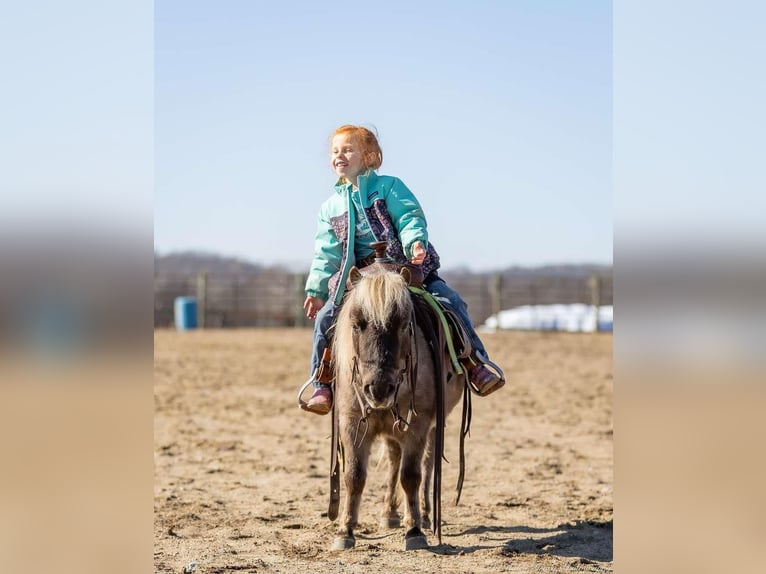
(241, 473)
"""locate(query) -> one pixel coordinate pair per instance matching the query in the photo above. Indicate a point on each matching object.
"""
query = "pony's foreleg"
(425, 489)
(355, 476)
(389, 517)
(411, 476)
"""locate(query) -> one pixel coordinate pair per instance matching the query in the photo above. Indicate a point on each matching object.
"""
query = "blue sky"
(689, 119)
(496, 114)
(77, 115)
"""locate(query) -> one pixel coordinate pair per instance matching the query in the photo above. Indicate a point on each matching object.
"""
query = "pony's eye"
(360, 325)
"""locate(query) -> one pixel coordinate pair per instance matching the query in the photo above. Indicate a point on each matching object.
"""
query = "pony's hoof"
(343, 543)
(393, 521)
(415, 539)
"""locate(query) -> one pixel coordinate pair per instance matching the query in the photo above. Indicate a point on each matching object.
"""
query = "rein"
(435, 338)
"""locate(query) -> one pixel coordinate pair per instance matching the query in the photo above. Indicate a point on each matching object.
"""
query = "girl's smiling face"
(346, 158)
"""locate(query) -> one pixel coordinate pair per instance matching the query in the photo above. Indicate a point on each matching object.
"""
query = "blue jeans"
(323, 320)
(446, 294)
(437, 287)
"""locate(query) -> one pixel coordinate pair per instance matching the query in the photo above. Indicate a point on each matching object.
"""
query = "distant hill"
(194, 262)
(569, 271)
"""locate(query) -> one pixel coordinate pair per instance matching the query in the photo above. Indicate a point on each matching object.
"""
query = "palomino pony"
(390, 382)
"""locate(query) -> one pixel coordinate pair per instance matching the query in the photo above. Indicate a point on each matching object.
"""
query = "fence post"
(594, 284)
(237, 319)
(201, 298)
(496, 292)
(300, 314)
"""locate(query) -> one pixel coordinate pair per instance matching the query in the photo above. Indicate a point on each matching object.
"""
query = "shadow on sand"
(586, 540)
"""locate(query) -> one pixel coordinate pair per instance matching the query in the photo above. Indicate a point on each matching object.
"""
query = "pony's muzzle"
(379, 395)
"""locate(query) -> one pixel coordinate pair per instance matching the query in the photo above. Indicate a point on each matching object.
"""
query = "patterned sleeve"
(407, 215)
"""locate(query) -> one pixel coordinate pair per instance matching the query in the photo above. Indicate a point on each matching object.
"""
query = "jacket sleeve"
(407, 215)
(328, 254)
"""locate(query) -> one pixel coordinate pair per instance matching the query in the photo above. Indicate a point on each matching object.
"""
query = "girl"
(365, 208)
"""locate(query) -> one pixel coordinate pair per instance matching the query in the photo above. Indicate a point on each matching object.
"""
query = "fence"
(486, 295)
(275, 298)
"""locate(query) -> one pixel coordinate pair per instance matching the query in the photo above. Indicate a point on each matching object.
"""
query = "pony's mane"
(380, 294)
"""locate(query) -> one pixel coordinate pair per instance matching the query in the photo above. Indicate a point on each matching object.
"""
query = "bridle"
(408, 372)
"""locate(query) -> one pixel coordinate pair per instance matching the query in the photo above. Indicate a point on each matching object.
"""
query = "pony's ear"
(404, 272)
(355, 275)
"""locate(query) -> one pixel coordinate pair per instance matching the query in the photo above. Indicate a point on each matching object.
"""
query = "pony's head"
(373, 337)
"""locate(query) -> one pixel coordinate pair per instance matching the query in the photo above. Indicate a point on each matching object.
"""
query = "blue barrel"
(185, 311)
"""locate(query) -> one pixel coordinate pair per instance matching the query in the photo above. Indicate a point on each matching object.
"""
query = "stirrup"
(301, 403)
(496, 368)
(304, 405)
(486, 363)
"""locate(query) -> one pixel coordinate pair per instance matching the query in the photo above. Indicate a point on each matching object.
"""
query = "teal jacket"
(394, 216)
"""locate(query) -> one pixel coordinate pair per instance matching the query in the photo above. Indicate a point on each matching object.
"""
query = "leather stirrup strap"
(332, 511)
(325, 373)
(465, 430)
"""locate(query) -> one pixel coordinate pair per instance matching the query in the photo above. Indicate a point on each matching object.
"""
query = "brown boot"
(484, 381)
(320, 402)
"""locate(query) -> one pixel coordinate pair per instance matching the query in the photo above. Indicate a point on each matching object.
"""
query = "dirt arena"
(241, 479)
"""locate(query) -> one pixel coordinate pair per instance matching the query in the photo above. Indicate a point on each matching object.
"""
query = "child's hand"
(312, 305)
(418, 253)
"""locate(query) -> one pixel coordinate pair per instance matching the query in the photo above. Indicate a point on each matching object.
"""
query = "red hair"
(367, 142)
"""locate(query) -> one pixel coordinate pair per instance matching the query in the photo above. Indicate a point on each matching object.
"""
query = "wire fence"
(274, 298)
